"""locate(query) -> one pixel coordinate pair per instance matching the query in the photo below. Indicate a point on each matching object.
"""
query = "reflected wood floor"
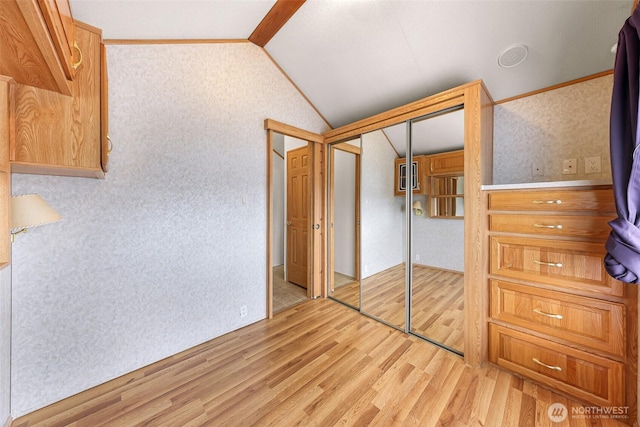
(285, 294)
(438, 301)
(319, 363)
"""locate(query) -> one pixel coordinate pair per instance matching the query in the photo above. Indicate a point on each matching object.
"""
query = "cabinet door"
(61, 135)
(57, 15)
(104, 110)
(450, 163)
(417, 176)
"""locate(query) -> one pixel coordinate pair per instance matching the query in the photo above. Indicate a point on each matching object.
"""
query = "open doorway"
(289, 222)
(295, 237)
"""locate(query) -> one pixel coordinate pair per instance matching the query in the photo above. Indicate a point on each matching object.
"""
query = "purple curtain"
(623, 245)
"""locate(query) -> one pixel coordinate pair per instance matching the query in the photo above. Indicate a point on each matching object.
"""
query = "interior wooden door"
(298, 202)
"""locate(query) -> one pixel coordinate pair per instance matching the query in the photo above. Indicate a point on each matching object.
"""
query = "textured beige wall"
(160, 256)
(571, 122)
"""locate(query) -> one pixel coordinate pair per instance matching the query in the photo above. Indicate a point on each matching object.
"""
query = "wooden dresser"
(555, 315)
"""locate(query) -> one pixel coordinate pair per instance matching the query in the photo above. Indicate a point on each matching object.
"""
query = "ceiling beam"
(274, 20)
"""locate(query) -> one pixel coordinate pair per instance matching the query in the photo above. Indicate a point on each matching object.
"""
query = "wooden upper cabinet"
(32, 54)
(416, 178)
(64, 135)
(449, 163)
(57, 15)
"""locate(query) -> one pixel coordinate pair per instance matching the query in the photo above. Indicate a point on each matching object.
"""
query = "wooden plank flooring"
(316, 364)
(437, 301)
(285, 294)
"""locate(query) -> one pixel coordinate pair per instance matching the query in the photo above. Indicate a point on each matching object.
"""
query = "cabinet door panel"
(593, 378)
(584, 321)
(587, 227)
(566, 265)
(61, 135)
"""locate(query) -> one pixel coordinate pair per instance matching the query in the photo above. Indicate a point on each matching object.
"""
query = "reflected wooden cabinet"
(446, 186)
(446, 197)
(449, 163)
(556, 316)
(65, 135)
(418, 177)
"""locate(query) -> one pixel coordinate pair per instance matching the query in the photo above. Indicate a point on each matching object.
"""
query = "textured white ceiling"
(355, 58)
(172, 19)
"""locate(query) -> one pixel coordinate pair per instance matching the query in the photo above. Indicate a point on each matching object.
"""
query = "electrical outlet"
(243, 311)
(417, 257)
(569, 166)
(592, 165)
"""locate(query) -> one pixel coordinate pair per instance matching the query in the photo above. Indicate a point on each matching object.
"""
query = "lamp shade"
(31, 210)
(417, 205)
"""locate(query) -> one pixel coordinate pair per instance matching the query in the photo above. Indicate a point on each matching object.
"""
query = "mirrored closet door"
(437, 229)
(383, 225)
(344, 223)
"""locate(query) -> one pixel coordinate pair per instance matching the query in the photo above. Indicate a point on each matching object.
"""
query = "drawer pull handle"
(553, 368)
(555, 227)
(554, 316)
(547, 202)
(550, 264)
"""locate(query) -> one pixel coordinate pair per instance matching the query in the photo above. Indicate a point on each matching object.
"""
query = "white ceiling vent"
(513, 56)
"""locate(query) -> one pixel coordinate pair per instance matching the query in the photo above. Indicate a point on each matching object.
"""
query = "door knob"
(288, 222)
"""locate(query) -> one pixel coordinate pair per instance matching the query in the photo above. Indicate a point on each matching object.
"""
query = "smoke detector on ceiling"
(513, 56)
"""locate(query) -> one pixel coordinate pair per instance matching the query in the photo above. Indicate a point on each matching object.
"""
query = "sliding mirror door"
(383, 241)
(437, 230)
(344, 225)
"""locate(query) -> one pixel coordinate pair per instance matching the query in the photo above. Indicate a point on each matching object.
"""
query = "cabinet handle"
(550, 264)
(547, 202)
(75, 65)
(109, 145)
(553, 368)
(553, 316)
(556, 227)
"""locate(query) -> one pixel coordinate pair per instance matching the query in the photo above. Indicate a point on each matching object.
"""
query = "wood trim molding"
(8, 422)
(276, 126)
(172, 41)
(554, 87)
(279, 14)
(343, 146)
(423, 106)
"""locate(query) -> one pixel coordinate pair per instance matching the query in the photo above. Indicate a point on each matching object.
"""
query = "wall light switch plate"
(569, 166)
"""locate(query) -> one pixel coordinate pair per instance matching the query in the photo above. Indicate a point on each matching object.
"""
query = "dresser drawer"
(565, 264)
(600, 200)
(584, 375)
(584, 321)
(586, 227)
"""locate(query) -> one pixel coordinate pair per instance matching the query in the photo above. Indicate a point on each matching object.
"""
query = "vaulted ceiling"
(352, 59)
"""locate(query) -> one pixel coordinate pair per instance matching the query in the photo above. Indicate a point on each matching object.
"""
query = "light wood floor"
(285, 294)
(437, 301)
(317, 364)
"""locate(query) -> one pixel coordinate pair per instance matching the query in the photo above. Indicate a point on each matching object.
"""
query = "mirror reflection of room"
(344, 207)
(383, 229)
(435, 246)
(289, 226)
(437, 234)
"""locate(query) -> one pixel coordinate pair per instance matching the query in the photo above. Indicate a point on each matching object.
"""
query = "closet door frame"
(478, 171)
